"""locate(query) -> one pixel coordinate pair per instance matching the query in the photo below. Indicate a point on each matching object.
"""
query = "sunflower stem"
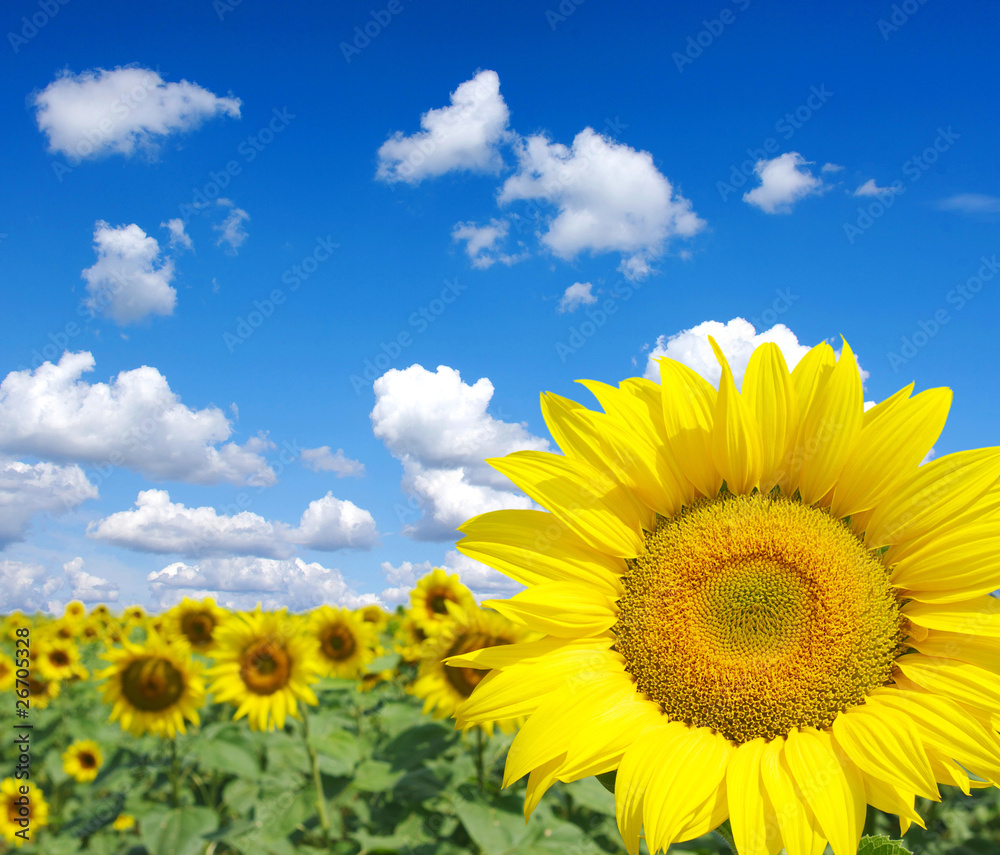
(479, 759)
(175, 774)
(725, 831)
(324, 822)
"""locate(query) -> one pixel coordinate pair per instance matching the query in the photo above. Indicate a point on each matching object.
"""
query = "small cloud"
(178, 237)
(323, 460)
(971, 203)
(870, 188)
(482, 243)
(784, 180)
(831, 167)
(578, 294)
(231, 231)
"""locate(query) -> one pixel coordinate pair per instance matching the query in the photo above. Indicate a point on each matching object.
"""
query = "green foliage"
(880, 845)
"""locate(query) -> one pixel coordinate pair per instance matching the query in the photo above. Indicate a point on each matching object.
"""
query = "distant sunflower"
(42, 692)
(15, 621)
(757, 605)
(153, 686)
(345, 642)
(409, 639)
(34, 814)
(100, 611)
(75, 610)
(65, 629)
(133, 616)
(445, 687)
(428, 598)
(57, 659)
(82, 760)
(123, 822)
(91, 630)
(8, 674)
(375, 615)
(367, 682)
(265, 664)
(196, 621)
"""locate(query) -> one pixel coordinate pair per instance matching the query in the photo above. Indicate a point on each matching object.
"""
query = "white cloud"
(463, 136)
(578, 294)
(438, 427)
(240, 583)
(832, 167)
(330, 523)
(87, 587)
(784, 180)
(27, 489)
(231, 231)
(609, 198)
(483, 581)
(25, 586)
(158, 525)
(870, 188)
(323, 460)
(971, 203)
(737, 338)
(98, 111)
(128, 282)
(135, 421)
(481, 243)
(178, 237)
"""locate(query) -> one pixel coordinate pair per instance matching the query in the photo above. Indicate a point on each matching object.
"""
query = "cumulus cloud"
(159, 525)
(462, 136)
(323, 460)
(231, 231)
(178, 237)
(135, 421)
(784, 180)
(832, 167)
(128, 282)
(25, 586)
(99, 112)
(27, 489)
(608, 198)
(578, 294)
(870, 188)
(240, 583)
(737, 338)
(438, 427)
(971, 203)
(86, 587)
(481, 243)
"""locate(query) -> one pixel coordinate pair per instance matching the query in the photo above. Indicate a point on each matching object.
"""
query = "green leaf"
(413, 746)
(228, 755)
(498, 828)
(178, 831)
(374, 776)
(338, 751)
(589, 793)
(608, 780)
(881, 845)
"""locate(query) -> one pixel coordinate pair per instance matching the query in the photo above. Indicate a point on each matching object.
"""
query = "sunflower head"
(265, 663)
(153, 686)
(8, 673)
(57, 659)
(20, 811)
(82, 760)
(123, 822)
(345, 643)
(410, 639)
(75, 610)
(375, 615)
(430, 597)
(100, 611)
(197, 622)
(41, 691)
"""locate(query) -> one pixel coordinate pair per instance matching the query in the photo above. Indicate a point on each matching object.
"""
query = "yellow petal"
(591, 504)
(958, 680)
(525, 653)
(885, 797)
(978, 616)
(748, 802)
(800, 832)
(736, 441)
(933, 495)
(688, 416)
(539, 781)
(830, 428)
(598, 745)
(954, 568)
(770, 397)
(984, 652)
(563, 609)
(896, 436)
(833, 789)
(884, 744)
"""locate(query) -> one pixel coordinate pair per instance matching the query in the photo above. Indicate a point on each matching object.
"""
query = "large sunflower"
(345, 642)
(430, 596)
(445, 687)
(21, 814)
(153, 686)
(265, 664)
(757, 605)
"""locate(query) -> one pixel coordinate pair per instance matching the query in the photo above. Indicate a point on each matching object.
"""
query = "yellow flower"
(153, 686)
(100, 611)
(75, 610)
(375, 615)
(428, 599)
(197, 622)
(82, 760)
(265, 665)
(21, 813)
(446, 687)
(757, 606)
(8, 673)
(41, 692)
(345, 642)
(15, 621)
(57, 659)
(123, 822)
(367, 682)
(409, 639)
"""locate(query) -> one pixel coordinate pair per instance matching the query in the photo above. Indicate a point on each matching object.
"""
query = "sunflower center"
(753, 615)
(463, 679)
(338, 643)
(152, 684)
(59, 658)
(265, 667)
(437, 602)
(198, 628)
(87, 760)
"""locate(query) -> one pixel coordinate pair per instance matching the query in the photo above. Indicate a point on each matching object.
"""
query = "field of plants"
(206, 731)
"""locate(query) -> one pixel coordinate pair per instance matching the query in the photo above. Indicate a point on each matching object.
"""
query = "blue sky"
(224, 211)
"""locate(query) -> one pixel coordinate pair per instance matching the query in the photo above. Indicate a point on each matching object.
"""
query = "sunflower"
(7, 672)
(409, 639)
(56, 658)
(82, 760)
(91, 630)
(65, 629)
(432, 592)
(758, 606)
(100, 611)
(18, 818)
(42, 692)
(75, 610)
(197, 622)
(345, 642)
(153, 686)
(367, 682)
(375, 615)
(445, 687)
(265, 664)
(15, 621)
(123, 822)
